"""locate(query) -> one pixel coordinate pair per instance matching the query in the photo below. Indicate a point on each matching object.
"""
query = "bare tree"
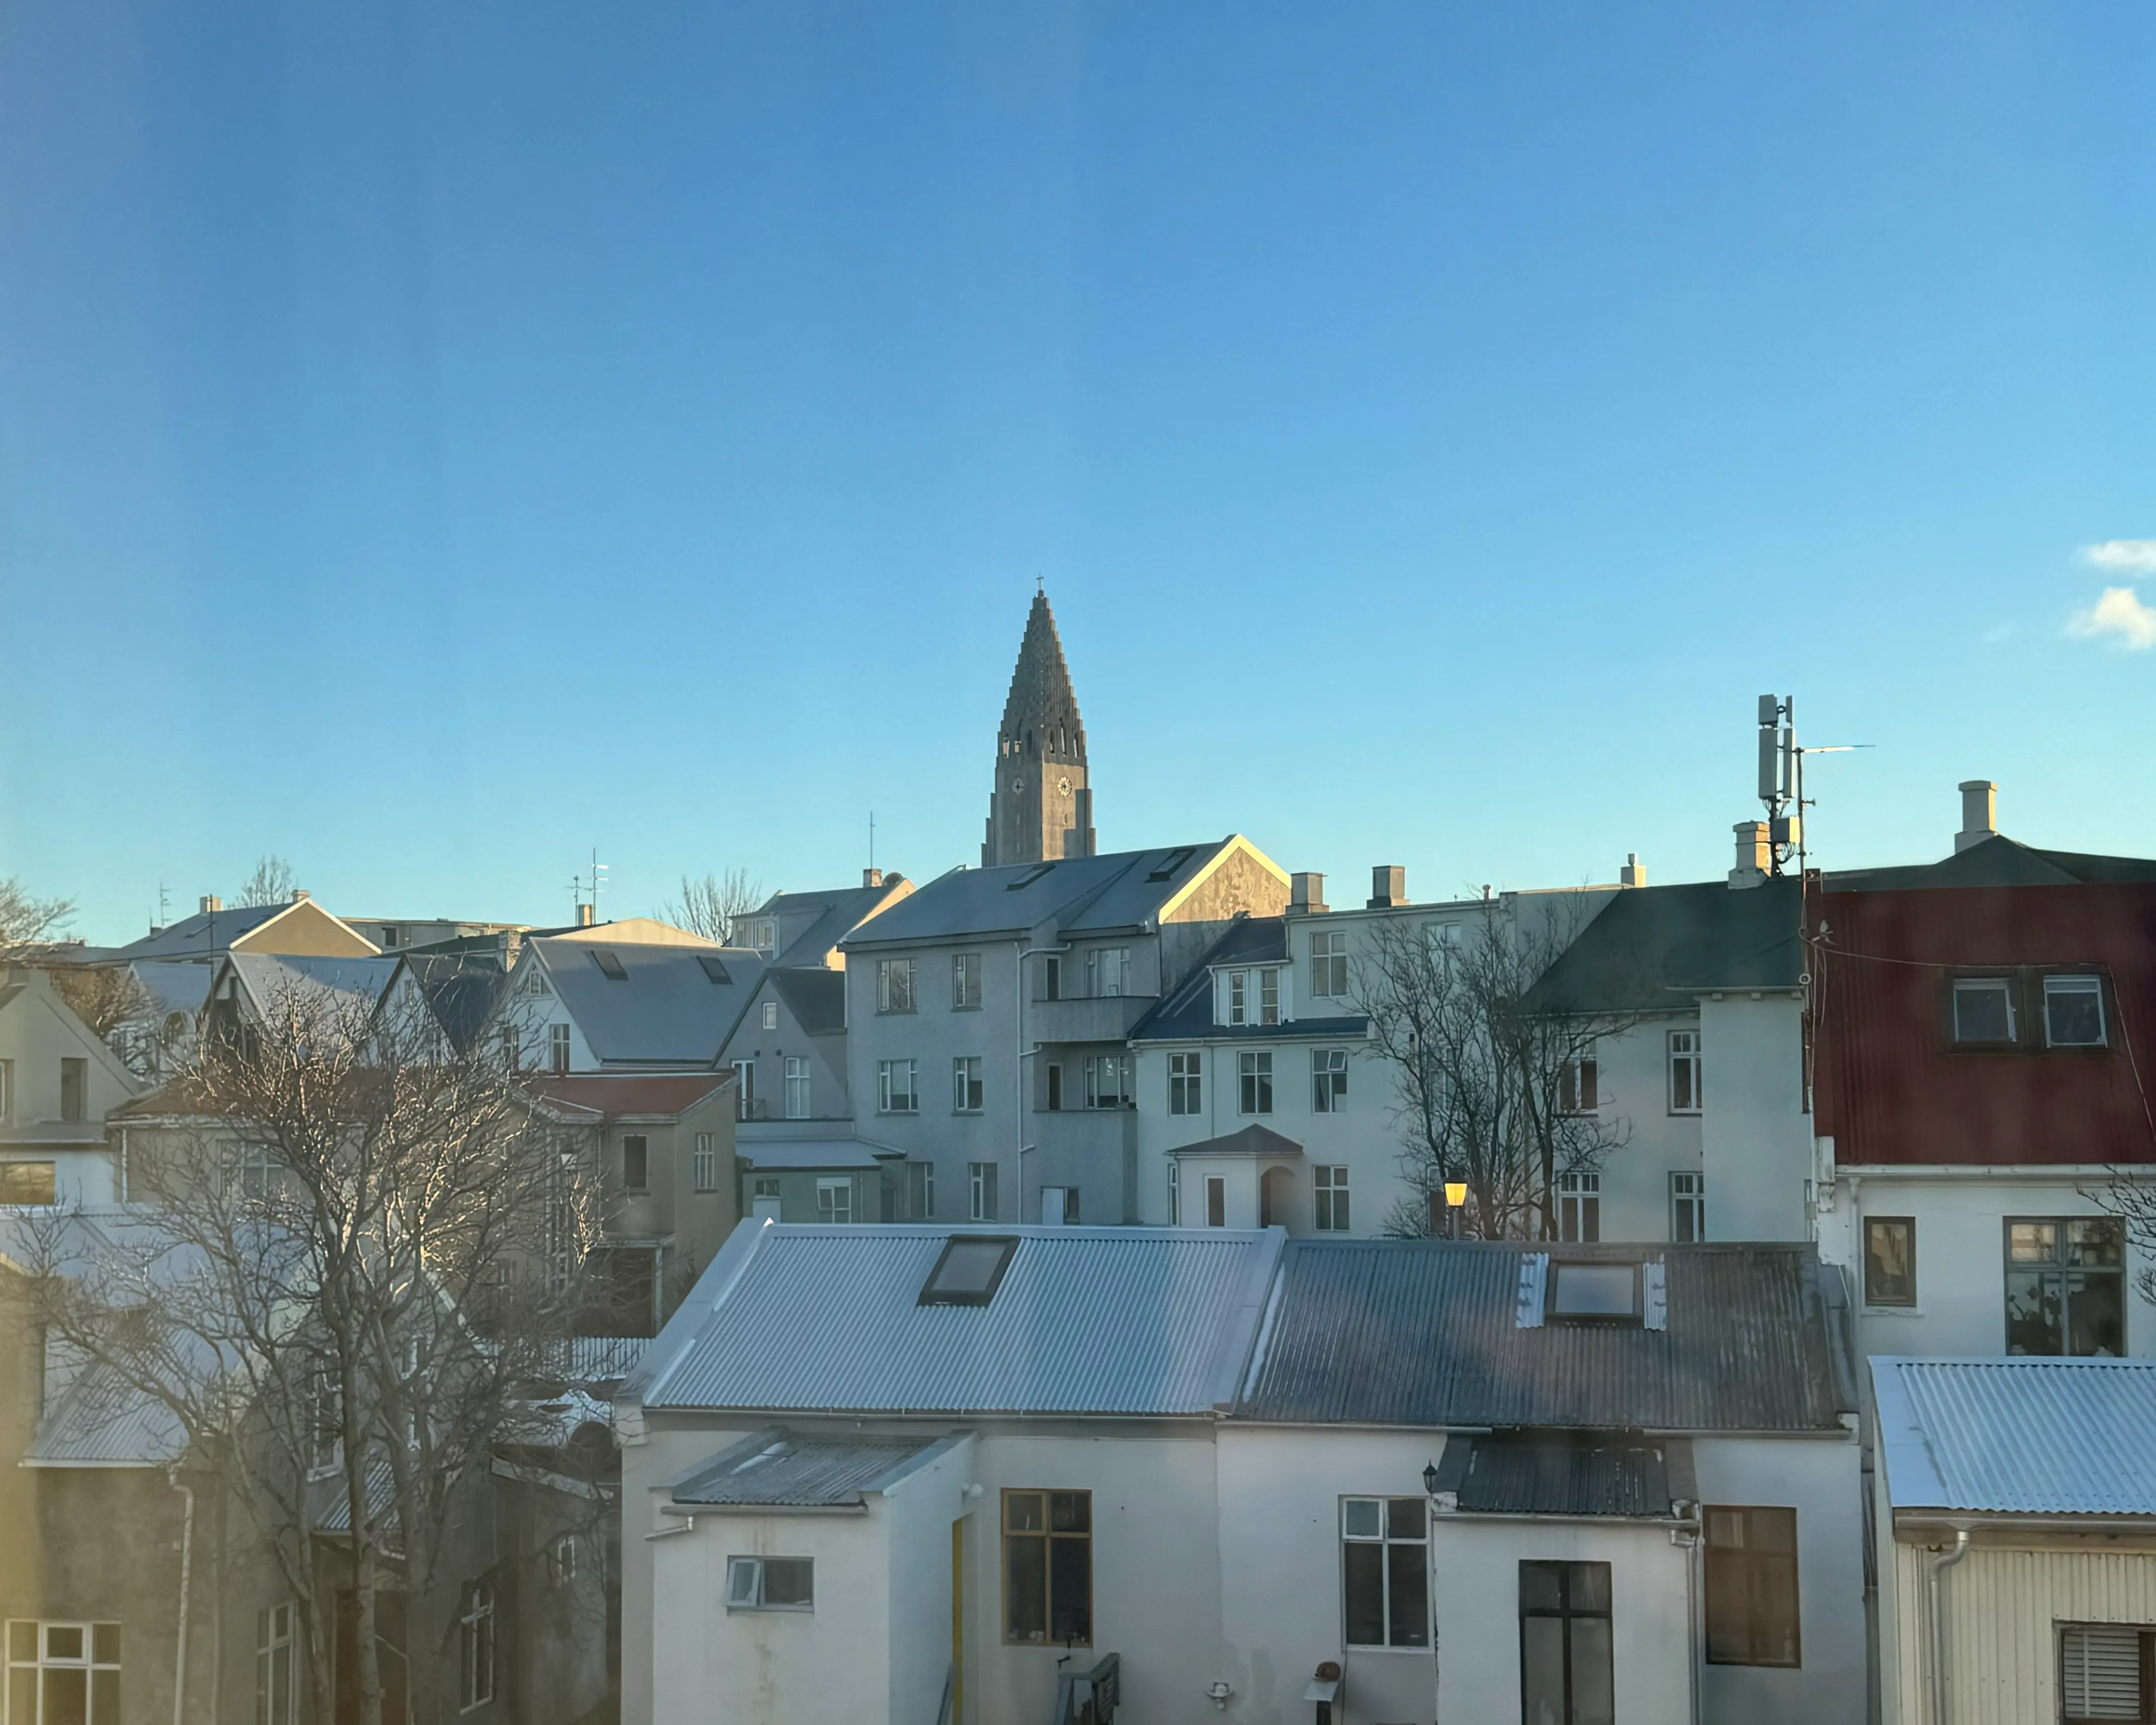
(104, 996)
(351, 1260)
(713, 906)
(29, 925)
(1495, 1077)
(270, 884)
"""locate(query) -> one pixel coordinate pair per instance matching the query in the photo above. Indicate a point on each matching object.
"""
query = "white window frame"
(897, 985)
(1330, 1204)
(1100, 1072)
(557, 1046)
(1579, 1086)
(1328, 1081)
(1684, 1058)
(965, 982)
(968, 1090)
(562, 1560)
(46, 1661)
(890, 1098)
(706, 1161)
(1174, 1193)
(1579, 1206)
(1253, 1081)
(835, 1198)
(1238, 997)
(981, 1191)
(797, 1086)
(2077, 983)
(276, 1700)
(745, 1584)
(771, 1014)
(1328, 964)
(1385, 1539)
(1108, 970)
(475, 1648)
(1687, 1192)
(744, 1090)
(1269, 994)
(2003, 988)
(1186, 1082)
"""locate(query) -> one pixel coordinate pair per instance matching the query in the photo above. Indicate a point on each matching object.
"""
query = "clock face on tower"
(1017, 785)
(1063, 786)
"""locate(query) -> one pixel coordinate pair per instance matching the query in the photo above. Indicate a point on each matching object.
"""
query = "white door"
(1051, 1206)
(764, 1209)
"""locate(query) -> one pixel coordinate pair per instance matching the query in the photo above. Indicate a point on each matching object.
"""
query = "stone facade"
(1042, 806)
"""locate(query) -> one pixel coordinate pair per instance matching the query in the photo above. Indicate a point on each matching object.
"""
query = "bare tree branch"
(27, 924)
(712, 906)
(270, 884)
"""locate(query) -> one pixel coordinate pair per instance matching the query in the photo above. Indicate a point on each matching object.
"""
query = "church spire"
(1041, 808)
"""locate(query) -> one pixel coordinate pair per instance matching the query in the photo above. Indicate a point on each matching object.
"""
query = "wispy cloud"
(2119, 613)
(2122, 557)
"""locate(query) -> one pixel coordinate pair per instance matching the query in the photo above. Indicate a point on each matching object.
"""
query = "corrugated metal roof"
(792, 1153)
(1889, 1090)
(1608, 1474)
(1656, 947)
(1086, 1320)
(833, 915)
(1079, 895)
(2019, 1436)
(774, 1468)
(665, 1010)
(211, 932)
(1425, 1332)
(631, 1093)
(101, 1421)
(269, 977)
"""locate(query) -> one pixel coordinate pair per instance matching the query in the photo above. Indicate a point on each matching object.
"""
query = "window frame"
(1047, 1534)
(1687, 1059)
(704, 1164)
(43, 1659)
(1253, 1081)
(1972, 983)
(968, 1085)
(1097, 1070)
(476, 1648)
(1872, 1295)
(559, 1054)
(1216, 1200)
(898, 986)
(1746, 1560)
(965, 982)
(757, 1564)
(2062, 1265)
(798, 1096)
(981, 1191)
(2094, 981)
(1186, 1082)
(1634, 1316)
(51, 1184)
(888, 1099)
(771, 1014)
(1328, 1063)
(1238, 997)
(1687, 1196)
(1269, 994)
(1387, 1542)
(642, 1142)
(2145, 1656)
(1328, 964)
(276, 1702)
(1330, 1200)
(1579, 1086)
(1108, 973)
(1580, 1197)
(931, 1294)
(834, 1186)
(1566, 1614)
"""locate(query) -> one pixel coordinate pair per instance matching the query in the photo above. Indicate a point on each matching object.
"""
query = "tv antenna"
(1782, 778)
(596, 881)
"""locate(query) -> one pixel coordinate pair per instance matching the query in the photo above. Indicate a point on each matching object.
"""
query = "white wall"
(1756, 1138)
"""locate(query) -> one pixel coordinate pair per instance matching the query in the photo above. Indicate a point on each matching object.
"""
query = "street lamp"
(1456, 1200)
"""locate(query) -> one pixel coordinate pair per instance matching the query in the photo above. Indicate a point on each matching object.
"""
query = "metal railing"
(949, 1694)
(1089, 1697)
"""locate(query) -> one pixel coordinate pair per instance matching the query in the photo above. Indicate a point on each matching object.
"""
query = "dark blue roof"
(1187, 1014)
(1651, 947)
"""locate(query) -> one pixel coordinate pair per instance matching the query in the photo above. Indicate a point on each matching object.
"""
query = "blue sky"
(437, 441)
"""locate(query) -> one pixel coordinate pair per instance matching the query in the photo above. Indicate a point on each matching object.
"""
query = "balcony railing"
(1089, 1697)
(1094, 1018)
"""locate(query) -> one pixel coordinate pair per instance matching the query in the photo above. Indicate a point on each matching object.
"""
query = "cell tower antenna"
(1782, 778)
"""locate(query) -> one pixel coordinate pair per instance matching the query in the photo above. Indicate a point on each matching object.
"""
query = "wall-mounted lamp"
(1217, 1692)
(976, 1489)
(1429, 1479)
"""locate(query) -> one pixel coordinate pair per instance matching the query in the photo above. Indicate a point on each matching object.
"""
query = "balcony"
(1104, 1017)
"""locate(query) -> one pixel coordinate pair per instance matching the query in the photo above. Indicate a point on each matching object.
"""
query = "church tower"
(1041, 808)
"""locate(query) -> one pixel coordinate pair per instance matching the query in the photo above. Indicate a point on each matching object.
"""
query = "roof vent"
(1980, 814)
(1635, 872)
(1388, 887)
(609, 964)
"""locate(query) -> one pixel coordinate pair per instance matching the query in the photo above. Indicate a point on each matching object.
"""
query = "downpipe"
(1938, 1614)
(187, 1568)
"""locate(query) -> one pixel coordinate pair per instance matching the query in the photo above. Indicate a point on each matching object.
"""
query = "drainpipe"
(1937, 1590)
(187, 1565)
(1687, 1540)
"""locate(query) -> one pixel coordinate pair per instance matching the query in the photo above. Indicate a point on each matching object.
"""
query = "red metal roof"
(632, 1093)
(1890, 1088)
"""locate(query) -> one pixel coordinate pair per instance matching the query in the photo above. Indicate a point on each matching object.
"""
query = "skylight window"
(1594, 1293)
(715, 969)
(1170, 863)
(970, 1269)
(609, 964)
(1030, 876)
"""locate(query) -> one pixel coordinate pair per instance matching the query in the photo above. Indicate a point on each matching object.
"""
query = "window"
(388, 937)
(1255, 1069)
(636, 1162)
(276, 1673)
(895, 1091)
(715, 969)
(771, 1014)
(1983, 1010)
(2073, 1012)
(258, 1172)
(969, 1271)
(609, 964)
(1051, 978)
(895, 978)
(920, 1191)
(771, 1583)
(1578, 1090)
(1890, 1260)
(1687, 1208)
(966, 1089)
(1594, 1293)
(1751, 1587)
(744, 1090)
(1216, 1200)
(558, 1047)
(2103, 1672)
(1107, 1080)
(965, 981)
(766, 1186)
(512, 1047)
(797, 1086)
(1384, 1563)
(1684, 1072)
(1048, 1568)
(1055, 1088)
(1110, 969)
(706, 1164)
(562, 1560)
(29, 1182)
(834, 1197)
(1579, 1207)
(1239, 993)
(759, 934)
(75, 1086)
(1185, 1087)
(63, 1673)
(1329, 1182)
(325, 1424)
(476, 1639)
(1328, 1081)
(2066, 1285)
(1565, 1674)
(6, 1092)
(981, 1191)
(1174, 1193)
(1269, 997)
(1328, 965)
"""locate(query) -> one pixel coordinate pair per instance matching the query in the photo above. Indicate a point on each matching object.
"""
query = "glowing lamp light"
(1455, 1193)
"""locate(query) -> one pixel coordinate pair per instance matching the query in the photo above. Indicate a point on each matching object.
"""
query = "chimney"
(1634, 873)
(1980, 814)
(211, 903)
(1755, 856)
(872, 877)
(299, 893)
(1388, 887)
(1306, 895)
(584, 915)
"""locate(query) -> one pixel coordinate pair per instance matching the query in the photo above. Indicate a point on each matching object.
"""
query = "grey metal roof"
(178, 985)
(267, 977)
(792, 1153)
(1654, 947)
(666, 1011)
(100, 1421)
(1078, 895)
(2019, 1435)
(779, 1470)
(1426, 1332)
(816, 997)
(834, 915)
(201, 935)
(1133, 1320)
(1590, 1474)
(1253, 1140)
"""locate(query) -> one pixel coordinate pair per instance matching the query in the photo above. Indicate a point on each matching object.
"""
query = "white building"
(1229, 1473)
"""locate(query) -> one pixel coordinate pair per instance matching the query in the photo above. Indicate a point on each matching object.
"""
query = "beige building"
(59, 1080)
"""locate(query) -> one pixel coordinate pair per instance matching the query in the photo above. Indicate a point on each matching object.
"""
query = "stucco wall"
(1756, 1140)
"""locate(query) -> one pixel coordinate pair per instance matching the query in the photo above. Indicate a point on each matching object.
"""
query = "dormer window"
(1269, 997)
(970, 1270)
(1593, 1293)
(1238, 997)
(2073, 1012)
